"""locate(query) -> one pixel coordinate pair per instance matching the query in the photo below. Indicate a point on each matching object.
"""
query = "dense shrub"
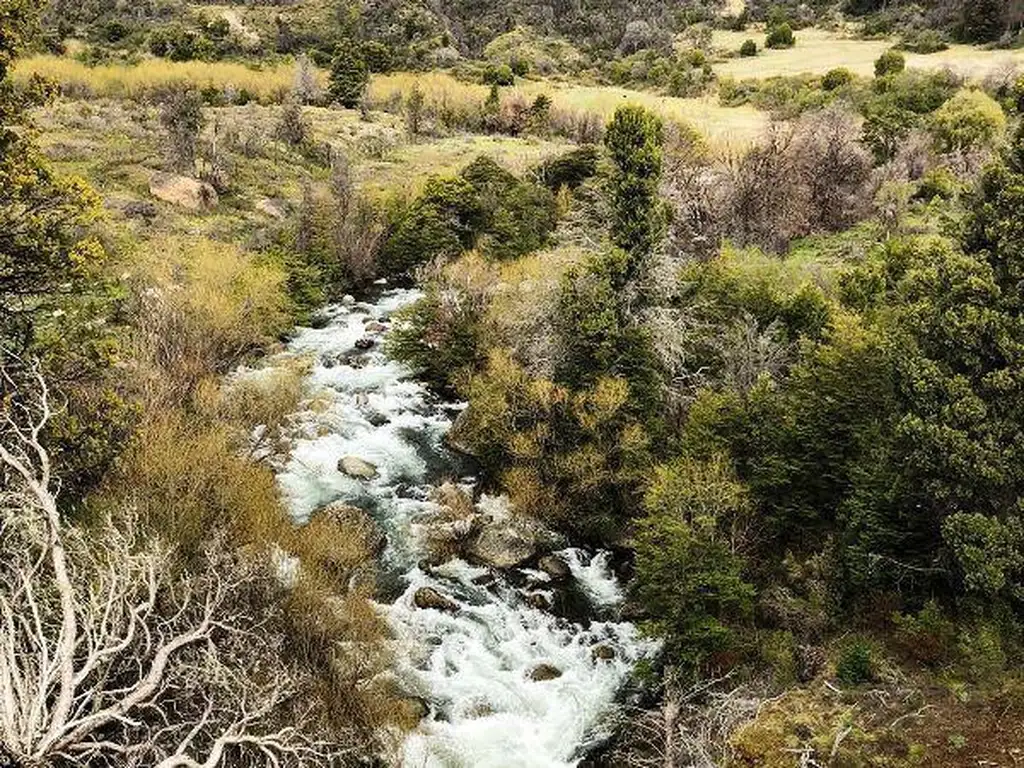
(969, 120)
(749, 48)
(837, 78)
(568, 170)
(485, 207)
(500, 74)
(780, 36)
(891, 62)
(441, 223)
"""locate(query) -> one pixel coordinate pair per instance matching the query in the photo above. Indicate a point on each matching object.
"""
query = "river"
(473, 666)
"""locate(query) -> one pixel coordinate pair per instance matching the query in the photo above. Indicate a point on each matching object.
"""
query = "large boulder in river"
(543, 672)
(428, 597)
(182, 191)
(353, 466)
(505, 539)
(502, 545)
(555, 567)
(456, 440)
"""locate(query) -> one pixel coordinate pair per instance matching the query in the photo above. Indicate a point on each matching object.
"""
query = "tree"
(886, 125)
(414, 110)
(634, 140)
(983, 20)
(688, 568)
(349, 76)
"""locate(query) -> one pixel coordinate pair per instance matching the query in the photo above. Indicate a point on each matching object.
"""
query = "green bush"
(498, 74)
(780, 36)
(969, 120)
(891, 62)
(938, 183)
(517, 216)
(925, 41)
(837, 78)
(856, 664)
(441, 223)
(749, 48)
(568, 170)
(929, 636)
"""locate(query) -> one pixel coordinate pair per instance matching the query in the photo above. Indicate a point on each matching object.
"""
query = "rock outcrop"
(182, 191)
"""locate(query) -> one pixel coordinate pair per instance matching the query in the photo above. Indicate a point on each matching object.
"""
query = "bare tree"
(107, 659)
(690, 729)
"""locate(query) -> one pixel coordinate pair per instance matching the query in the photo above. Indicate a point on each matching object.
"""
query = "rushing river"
(472, 666)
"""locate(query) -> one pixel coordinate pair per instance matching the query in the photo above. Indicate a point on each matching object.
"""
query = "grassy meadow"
(819, 50)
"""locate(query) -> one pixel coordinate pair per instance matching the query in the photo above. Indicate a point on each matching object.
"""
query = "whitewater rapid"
(471, 667)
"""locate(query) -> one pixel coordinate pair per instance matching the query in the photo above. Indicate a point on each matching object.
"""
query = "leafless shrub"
(803, 177)
(691, 728)
(108, 659)
(340, 228)
(750, 352)
(306, 89)
(293, 128)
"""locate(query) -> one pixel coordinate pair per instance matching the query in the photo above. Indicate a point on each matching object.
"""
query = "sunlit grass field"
(124, 81)
(817, 51)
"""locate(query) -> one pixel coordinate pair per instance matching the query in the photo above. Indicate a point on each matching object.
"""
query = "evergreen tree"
(349, 76)
(634, 140)
(983, 20)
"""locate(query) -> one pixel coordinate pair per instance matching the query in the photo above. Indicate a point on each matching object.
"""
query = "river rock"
(543, 672)
(375, 327)
(555, 567)
(501, 545)
(538, 601)
(353, 466)
(602, 652)
(365, 343)
(357, 522)
(182, 191)
(428, 597)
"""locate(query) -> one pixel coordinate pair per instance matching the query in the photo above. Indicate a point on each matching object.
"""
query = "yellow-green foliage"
(123, 81)
(970, 120)
(202, 307)
(544, 55)
(572, 457)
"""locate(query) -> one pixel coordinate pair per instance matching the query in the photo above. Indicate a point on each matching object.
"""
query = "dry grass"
(120, 81)
(818, 51)
(720, 125)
